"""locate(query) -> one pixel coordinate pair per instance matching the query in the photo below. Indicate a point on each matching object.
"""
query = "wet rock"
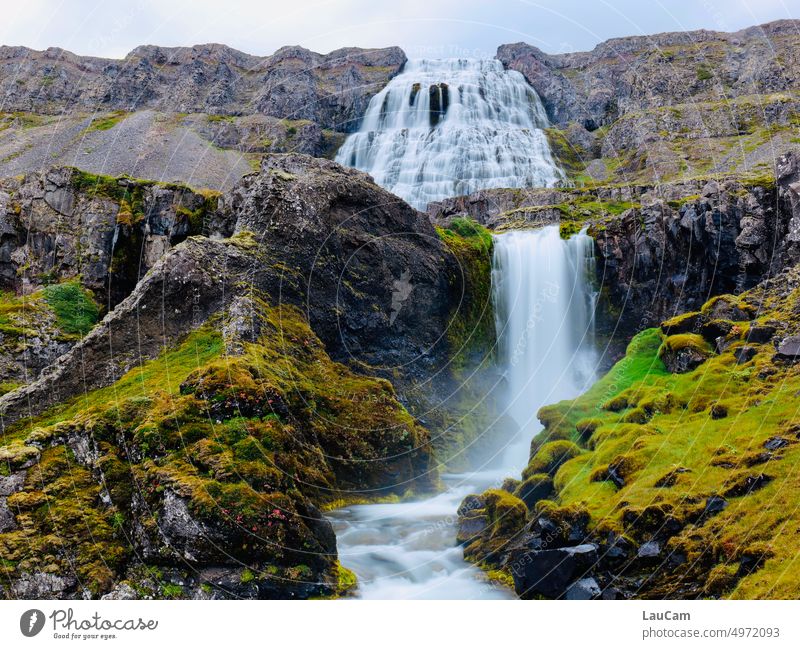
(586, 588)
(550, 572)
(649, 550)
(714, 505)
(714, 329)
(744, 354)
(775, 443)
(746, 484)
(616, 549)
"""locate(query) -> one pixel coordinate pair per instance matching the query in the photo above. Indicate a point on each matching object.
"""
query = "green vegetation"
(655, 446)
(473, 323)
(247, 441)
(75, 309)
(106, 122)
(466, 421)
(703, 73)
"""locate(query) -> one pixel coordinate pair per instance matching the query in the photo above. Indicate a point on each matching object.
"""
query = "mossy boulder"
(535, 488)
(550, 457)
(684, 323)
(682, 353)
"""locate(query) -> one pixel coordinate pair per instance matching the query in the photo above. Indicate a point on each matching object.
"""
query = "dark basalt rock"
(747, 484)
(306, 232)
(683, 360)
(714, 505)
(550, 572)
(583, 589)
(682, 255)
(760, 334)
(744, 354)
(775, 443)
(649, 550)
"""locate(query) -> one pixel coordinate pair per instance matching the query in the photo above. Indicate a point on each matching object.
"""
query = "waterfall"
(449, 127)
(544, 316)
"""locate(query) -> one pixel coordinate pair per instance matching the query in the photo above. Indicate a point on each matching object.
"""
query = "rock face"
(306, 232)
(670, 105)
(666, 249)
(63, 223)
(636, 73)
(201, 115)
(332, 90)
(210, 485)
(688, 242)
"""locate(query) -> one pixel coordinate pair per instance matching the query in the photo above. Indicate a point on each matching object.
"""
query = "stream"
(544, 305)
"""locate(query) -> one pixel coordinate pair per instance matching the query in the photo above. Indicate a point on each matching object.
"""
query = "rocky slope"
(672, 477)
(660, 107)
(202, 115)
(195, 431)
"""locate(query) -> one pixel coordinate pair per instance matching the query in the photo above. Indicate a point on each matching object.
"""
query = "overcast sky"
(434, 28)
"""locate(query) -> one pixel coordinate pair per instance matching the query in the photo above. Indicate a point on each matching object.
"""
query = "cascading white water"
(448, 127)
(544, 312)
(440, 129)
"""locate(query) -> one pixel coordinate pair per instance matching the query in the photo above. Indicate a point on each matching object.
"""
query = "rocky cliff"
(672, 105)
(661, 249)
(672, 476)
(201, 115)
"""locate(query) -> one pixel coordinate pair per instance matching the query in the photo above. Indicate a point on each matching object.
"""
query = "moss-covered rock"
(682, 353)
(224, 461)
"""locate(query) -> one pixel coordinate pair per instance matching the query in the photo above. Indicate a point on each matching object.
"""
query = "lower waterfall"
(544, 306)
(544, 318)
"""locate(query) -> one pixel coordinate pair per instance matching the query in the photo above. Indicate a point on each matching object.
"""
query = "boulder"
(788, 349)
(586, 588)
(760, 334)
(744, 354)
(550, 572)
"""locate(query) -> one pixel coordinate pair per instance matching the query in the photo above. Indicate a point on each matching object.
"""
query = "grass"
(106, 122)
(76, 311)
(249, 441)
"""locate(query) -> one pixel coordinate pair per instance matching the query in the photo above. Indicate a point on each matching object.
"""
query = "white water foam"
(449, 127)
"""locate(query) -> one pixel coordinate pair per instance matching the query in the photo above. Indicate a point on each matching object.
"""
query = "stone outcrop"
(236, 333)
(63, 223)
(636, 73)
(304, 231)
(688, 242)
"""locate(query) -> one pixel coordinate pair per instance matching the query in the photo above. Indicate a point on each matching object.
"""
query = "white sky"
(433, 28)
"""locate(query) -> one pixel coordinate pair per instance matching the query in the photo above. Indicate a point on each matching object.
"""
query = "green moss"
(106, 122)
(550, 456)
(75, 309)
(687, 451)
(472, 325)
(678, 342)
(703, 73)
